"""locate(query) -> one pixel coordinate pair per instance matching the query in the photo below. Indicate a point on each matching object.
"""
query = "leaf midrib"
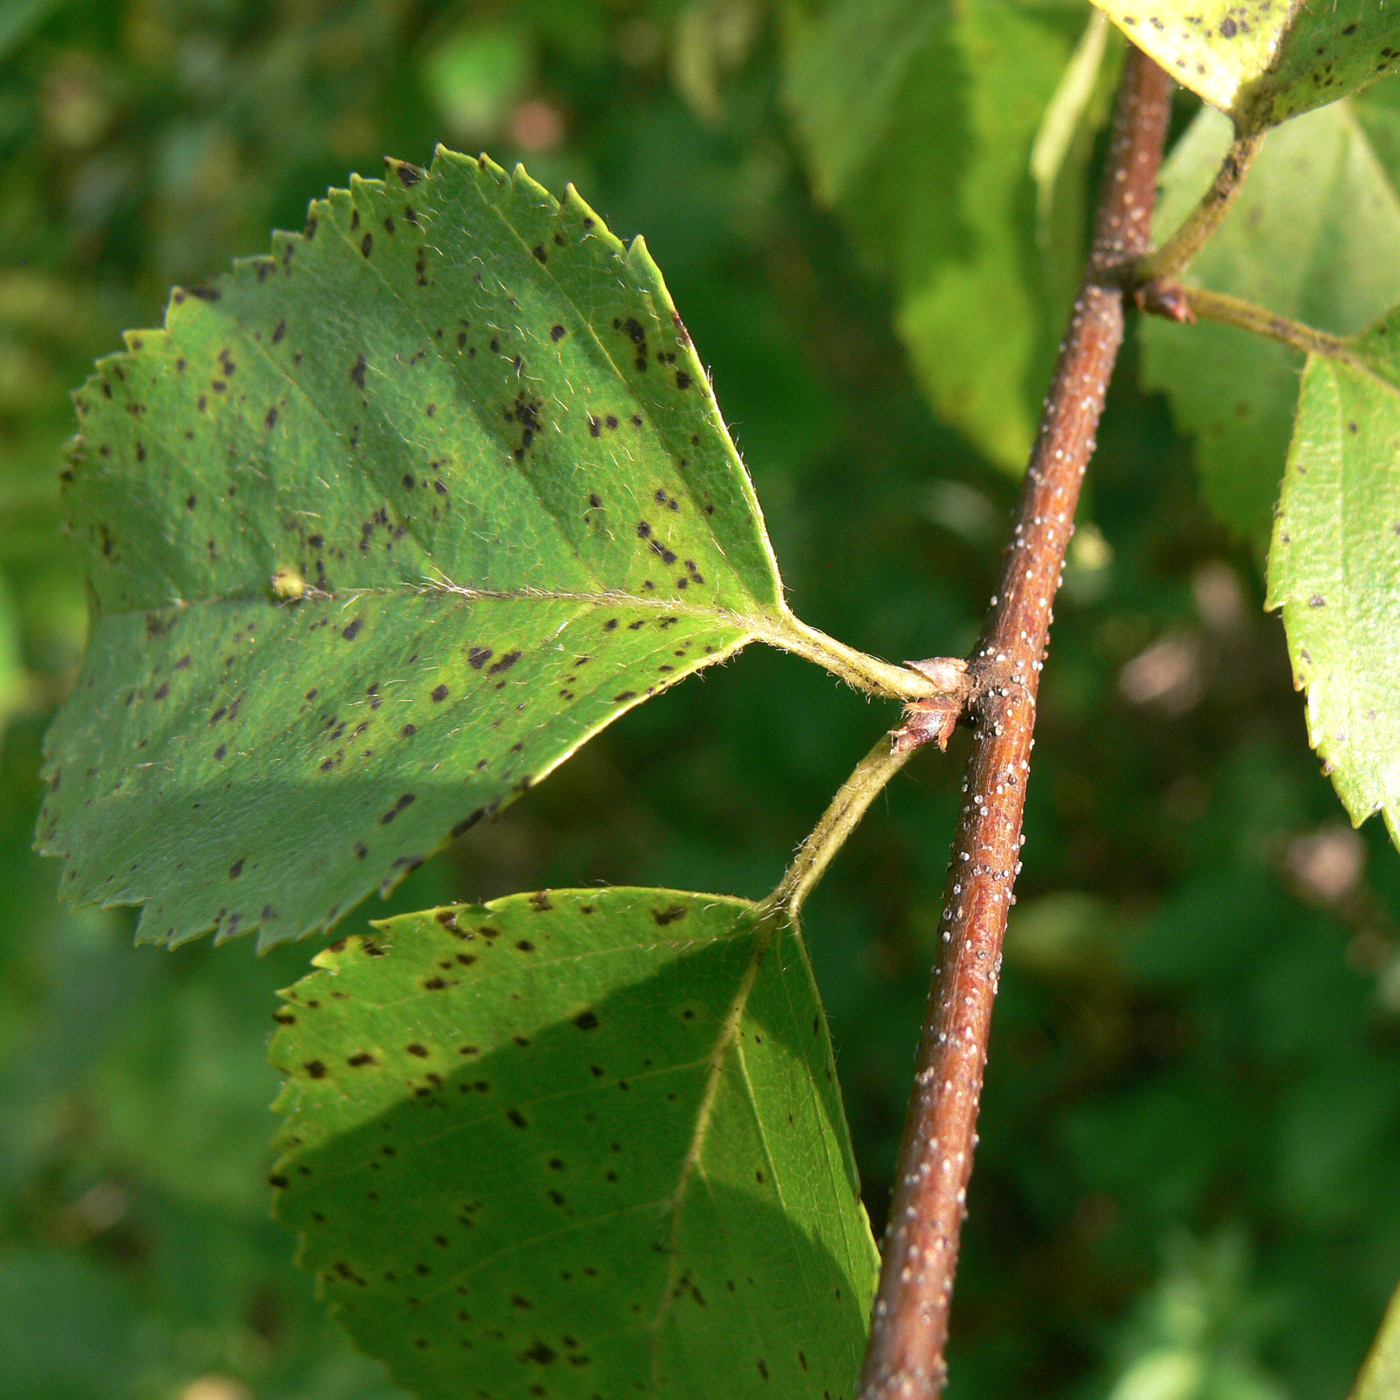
(773, 630)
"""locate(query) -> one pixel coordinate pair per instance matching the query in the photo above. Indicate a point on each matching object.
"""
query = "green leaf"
(919, 121)
(1334, 567)
(1380, 1376)
(380, 529)
(1266, 62)
(1315, 236)
(589, 1139)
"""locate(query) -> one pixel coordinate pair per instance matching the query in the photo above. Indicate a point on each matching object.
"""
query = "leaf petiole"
(1181, 249)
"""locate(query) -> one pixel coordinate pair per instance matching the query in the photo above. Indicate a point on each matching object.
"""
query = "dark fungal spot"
(669, 915)
(406, 800)
(315, 1069)
(357, 1061)
(556, 333)
(357, 372)
(683, 380)
(595, 500)
(440, 693)
(352, 630)
(1228, 28)
(419, 1050)
(466, 824)
(434, 984)
(236, 869)
(477, 657)
(539, 253)
(586, 1021)
(518, 1119)
(505, 663)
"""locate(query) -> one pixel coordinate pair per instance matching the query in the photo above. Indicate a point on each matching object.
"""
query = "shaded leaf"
(1314, 235)
(589, 1139)
(1334, 567)
(919, 121)
(1267, 61)
(380, 529)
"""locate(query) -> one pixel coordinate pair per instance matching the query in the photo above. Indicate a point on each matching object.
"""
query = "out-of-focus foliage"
(1189, 1178)
(922, 120)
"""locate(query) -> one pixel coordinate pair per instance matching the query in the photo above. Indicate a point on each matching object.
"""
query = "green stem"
(837, 822)
(867, 673)
(1206, 305)
(1181, 248)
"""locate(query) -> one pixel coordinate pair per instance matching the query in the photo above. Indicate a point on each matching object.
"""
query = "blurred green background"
(1188, 1183)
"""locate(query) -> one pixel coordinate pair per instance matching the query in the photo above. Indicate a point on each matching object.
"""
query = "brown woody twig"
(905, 1360)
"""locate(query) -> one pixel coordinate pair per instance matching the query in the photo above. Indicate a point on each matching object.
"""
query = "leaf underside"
(380, 528)
(588, 1140)
(1334, 568)
(1314, 235)
(1263, 61)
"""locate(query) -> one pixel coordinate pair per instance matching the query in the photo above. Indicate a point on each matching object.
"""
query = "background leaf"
(919, 120)
(1334, 568)
(380, 529)
(589, 1139)
(1265, 64)
(1314, 235)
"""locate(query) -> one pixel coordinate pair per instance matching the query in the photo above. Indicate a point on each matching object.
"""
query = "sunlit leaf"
(1334, 567)
(1380, 1376)
(380, 529)
(1314, 235)
(583, 1139)
(1269, 60)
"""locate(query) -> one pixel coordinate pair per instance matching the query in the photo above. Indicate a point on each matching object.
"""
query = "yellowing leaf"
(1263, 61)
